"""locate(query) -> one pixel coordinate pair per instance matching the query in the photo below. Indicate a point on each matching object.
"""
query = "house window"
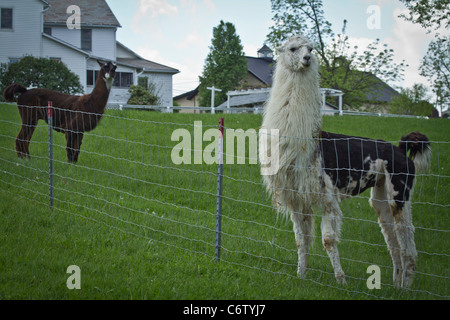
(86, 39)
(14, 60)
(6, 18)
(123, 79)
(91, 77)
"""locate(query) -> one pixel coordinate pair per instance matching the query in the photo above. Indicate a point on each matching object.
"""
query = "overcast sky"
(178, 33)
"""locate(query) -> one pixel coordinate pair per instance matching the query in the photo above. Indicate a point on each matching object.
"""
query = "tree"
(358, 75)
(43, 73)
(436, 67)
(305, 17)
(436, 63)
(341, 67)
(429, 14)
(412, 101)
(225, 66)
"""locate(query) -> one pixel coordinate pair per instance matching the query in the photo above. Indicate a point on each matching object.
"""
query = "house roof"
(66, 44)
(261, 68)
(140, 62)
(188, 95)
(381, 91)
(93, 13)
(147, 65)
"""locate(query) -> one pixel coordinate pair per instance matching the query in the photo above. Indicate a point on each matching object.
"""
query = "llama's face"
(296, 54)
(109, 69)
(109, 72)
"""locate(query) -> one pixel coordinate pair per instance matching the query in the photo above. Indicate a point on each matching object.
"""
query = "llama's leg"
(20, 142)
(330, 227)
(74, 140)
(303, 226)
(379, 201)
(24, 137)
(404, 230)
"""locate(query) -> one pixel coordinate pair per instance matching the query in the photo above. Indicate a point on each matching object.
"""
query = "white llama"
(318, 168)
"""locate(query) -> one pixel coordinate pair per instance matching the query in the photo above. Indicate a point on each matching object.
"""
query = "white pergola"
(325, 92)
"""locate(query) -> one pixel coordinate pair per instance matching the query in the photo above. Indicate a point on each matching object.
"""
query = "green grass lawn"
(141, 227)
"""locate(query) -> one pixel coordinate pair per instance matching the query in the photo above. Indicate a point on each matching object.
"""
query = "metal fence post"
(50, 153)
(219, 191)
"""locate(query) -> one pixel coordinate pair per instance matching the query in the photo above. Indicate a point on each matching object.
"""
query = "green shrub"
(41, 73)
(142, 96)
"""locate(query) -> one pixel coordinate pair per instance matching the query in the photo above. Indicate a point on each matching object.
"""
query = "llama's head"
(296, 54)
(107, 72)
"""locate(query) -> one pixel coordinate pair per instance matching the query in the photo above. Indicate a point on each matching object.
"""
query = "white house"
(44, 28)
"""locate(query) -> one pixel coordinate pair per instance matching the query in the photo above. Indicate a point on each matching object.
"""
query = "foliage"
(436, 67)
(342, 67)
(429, 14)
(358, 75)
(42, 73)
(305, 17)
(434, 15)
(412, 102)
(142, 96)
(225, 66)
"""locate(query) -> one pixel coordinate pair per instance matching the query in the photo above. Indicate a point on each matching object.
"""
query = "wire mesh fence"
(126, 178)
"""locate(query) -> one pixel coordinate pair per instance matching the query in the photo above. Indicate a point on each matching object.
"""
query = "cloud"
(192, 39)
(191, 6)
(189, 69)
(210, 4)
(155, 8)
(410, 42)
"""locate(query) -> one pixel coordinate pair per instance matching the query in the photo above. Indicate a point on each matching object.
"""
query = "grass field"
(141, 227)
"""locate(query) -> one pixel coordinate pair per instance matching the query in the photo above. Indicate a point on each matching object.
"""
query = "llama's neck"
(100, 94)
(295, 104)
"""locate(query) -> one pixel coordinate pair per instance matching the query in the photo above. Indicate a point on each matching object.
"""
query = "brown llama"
(72, 115)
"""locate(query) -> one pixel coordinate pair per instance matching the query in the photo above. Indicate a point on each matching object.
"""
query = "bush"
(41, 73)
(142, 96)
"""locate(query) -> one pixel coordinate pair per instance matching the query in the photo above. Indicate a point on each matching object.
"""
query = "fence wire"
(126, 179)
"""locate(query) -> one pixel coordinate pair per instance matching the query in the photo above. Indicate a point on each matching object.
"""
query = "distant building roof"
(261, 68)
(381, 91)
(93, 13)
(188, 95)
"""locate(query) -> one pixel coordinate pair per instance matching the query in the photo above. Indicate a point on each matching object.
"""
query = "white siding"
(163, 86)
(103, 40)
(104, 43)
(122, 53)
(25, 37)
(72, 36)
(74, 60)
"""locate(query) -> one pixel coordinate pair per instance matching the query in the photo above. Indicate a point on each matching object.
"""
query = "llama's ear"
(101, 63)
